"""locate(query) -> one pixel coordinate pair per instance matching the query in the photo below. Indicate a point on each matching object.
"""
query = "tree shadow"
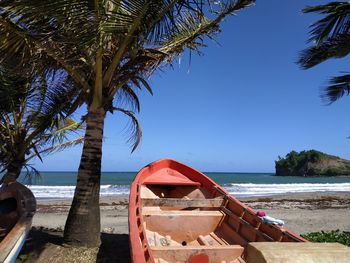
(39, 238)
(114, 248)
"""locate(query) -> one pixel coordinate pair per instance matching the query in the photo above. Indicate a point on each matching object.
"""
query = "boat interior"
(8, 215)
(189, 223)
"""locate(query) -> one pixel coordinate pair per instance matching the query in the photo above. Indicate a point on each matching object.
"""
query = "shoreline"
(302, 212)
(297, 195)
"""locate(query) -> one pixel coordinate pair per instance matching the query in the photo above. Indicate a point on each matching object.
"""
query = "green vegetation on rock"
(332, 236)
(311, 163)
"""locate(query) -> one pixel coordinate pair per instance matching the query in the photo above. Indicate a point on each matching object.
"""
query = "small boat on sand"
(17, 207)
(178, 214)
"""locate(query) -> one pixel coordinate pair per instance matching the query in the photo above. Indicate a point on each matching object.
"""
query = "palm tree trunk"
(83, 223)
(13, 170)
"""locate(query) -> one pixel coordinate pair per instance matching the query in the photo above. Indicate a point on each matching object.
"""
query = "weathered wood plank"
(182, 225)
(183, 254)
(177, 202)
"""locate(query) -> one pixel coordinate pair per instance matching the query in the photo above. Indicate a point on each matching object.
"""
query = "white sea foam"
(274, 189)
(67, 192)
(239, 190)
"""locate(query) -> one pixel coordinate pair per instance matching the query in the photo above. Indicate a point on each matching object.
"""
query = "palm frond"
(13, 43)
(53, 15)
(54, 107)
(193, 27)
(31, 174)
(336, 47)
(63, 129)
(339, 87)
(20, 40)
(11, 98)
(127, 96)
(32, 116)
(124, 87)
(135, 128)
(58, 147)
(330, 36)
(336, 21)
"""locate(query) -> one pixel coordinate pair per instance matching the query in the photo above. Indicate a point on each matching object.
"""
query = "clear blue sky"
(237, 107)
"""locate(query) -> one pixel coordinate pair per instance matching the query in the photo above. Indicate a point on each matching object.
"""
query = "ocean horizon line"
(270, 173)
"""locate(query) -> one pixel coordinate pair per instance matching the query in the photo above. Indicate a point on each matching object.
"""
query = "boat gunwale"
(7, 245)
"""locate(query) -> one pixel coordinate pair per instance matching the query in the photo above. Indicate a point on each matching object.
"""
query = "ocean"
(60, 185)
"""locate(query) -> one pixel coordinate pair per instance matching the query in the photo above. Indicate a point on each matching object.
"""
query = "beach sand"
(302, 213)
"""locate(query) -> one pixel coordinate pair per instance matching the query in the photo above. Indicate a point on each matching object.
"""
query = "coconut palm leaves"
(104, 45)
(32, 121)
(330, 37)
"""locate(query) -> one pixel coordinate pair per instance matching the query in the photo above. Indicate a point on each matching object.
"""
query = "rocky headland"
(312, 163)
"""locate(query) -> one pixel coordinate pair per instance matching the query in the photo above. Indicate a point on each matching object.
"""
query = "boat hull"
(178, 214)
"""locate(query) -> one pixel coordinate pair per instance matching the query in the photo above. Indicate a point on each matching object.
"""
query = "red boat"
(178, 214)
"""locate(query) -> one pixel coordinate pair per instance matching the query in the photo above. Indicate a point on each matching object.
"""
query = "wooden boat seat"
(182, 254)
(183, 213)
(180, 202)
(180, 224)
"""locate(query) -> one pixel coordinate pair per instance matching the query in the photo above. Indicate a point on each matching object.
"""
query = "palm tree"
(330, 38)
(32, 122)
(107, 48)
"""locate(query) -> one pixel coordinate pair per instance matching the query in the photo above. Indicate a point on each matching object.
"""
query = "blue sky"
(237, 107)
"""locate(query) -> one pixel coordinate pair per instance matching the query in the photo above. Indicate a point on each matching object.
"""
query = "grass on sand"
(331, 236)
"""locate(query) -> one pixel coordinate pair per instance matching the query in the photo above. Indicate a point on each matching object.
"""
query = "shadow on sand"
(114, 247)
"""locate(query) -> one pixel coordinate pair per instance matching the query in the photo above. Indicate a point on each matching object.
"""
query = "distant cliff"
(311, 163)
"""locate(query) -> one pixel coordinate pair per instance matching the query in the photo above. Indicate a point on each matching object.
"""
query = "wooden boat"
(178, 214)
(17, 207)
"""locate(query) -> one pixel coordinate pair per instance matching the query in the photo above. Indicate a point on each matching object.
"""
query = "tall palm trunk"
(83, 223)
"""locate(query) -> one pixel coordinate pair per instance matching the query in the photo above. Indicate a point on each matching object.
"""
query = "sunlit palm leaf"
(191, 29)
(59, 147)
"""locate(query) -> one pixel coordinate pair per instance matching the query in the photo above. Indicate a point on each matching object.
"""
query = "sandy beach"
(302, 213)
